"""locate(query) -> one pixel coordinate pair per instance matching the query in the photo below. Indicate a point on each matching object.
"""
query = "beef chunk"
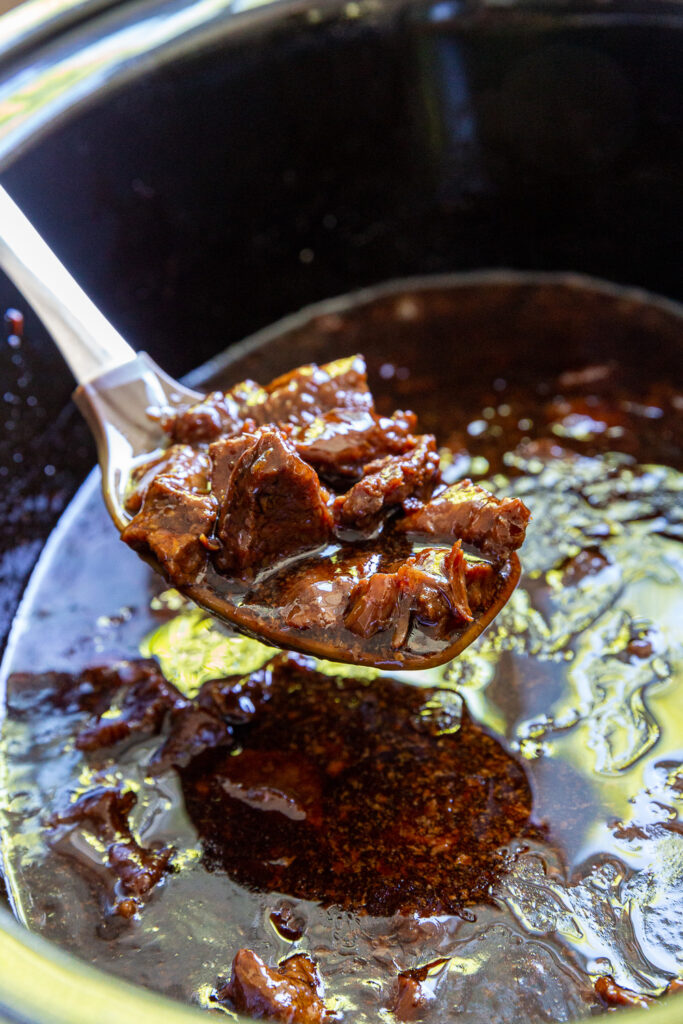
(192, 731)
(274, 508)
(224, 456)
(170, 527)
(430, 585)
(615, 995)
(317, 602)
(104, 810)
(496, 526)
(181, 464)
(409, 1002)
(138, 868)
(481, 583)
(302, 394)
(291, 993)
(216, 414)
(375, 605)
(308, 391)
(416, 989)
(341, 442)
(147, 698)
(234, 698)
(389, 482)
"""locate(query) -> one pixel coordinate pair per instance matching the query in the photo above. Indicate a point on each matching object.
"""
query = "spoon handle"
(86, 339)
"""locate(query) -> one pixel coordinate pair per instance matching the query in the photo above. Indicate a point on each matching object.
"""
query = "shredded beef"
(234, 698)
(389, 482)
(317, 602)
(138, 868)
(431, 586)
(104, 810)
(192, 731)
(291, 993)
(496, 526)
(147, 698)
(280, 471)
(275, 507)
(481, 584)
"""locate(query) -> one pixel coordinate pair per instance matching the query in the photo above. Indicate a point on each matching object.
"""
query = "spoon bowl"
(119, 392)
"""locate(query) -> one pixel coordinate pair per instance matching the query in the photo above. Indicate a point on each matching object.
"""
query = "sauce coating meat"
(291, 993)
(300, 499)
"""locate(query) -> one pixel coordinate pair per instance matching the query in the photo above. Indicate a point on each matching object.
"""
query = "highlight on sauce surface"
(299, 498)
(495, 839)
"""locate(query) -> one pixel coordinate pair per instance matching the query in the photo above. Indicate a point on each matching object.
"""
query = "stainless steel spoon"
(117, 387)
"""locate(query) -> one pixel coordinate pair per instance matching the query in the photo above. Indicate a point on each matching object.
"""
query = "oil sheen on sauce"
(574, 714)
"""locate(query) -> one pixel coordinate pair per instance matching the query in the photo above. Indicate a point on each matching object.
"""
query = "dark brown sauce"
(375, 797)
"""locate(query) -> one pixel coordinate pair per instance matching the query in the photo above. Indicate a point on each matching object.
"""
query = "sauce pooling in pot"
(573, 738)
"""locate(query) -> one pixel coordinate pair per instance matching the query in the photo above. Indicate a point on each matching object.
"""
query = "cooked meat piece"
(224, 456)
(143, 707)
(218, 413)
(430, 585)
(291, 993)
(103, 809)
(374, 606)
(192, 731)
(251, 399)
(390, 482)
(317, 602)
(169, 526)
(288, 924)
(183, 465)
(415, 989)
(302, 394)
(234, 697)
(453, 566)
(409, 1002)
(341, 442)
(308, 391)
(616, 995)
(481, 583)
(138, 868)
(496, 526)
(275, 507)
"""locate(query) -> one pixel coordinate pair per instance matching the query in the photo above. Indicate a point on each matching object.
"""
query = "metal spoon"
(116, 388)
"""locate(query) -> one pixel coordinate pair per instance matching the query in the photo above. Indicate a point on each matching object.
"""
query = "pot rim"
(42, 41)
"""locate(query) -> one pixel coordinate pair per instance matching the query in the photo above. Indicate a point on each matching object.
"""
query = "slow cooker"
(206, 168)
